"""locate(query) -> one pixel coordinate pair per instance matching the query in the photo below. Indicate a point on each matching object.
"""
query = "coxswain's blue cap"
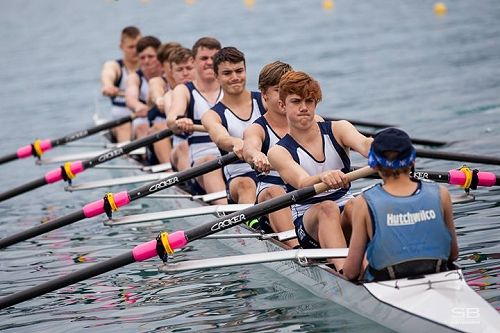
(395, 140)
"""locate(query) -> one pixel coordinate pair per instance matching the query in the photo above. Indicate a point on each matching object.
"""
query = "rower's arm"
(252, 145)
(132, 96)
(109, 74)
(447, 210)
(156, 91)
(180, 101)
(219, 134)
(353, 265)
(349, 137)
(291, 172)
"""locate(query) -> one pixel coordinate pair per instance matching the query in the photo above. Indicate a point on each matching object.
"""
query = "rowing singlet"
(335, 158)
(119, 108)
(235, 127)
(406, 228)
(270, 139)
(200, 144)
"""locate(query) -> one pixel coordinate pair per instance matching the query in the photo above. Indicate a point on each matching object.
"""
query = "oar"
(464, 176)
(173, 241)
(361, 122)
(112, 202)
(70, 169)
(461, 157)
(425, 142)
(38, 147)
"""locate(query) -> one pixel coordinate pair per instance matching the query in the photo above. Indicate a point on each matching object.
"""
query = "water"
(437, 77)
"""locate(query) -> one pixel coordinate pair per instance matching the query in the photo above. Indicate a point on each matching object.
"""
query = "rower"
(258, 138)
(113, 79)
(405, 225)
(316, 152)
(227, 121)
(137, 83)
(189, 102)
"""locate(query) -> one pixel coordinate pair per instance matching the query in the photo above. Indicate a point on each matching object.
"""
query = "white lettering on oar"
(110, 155)
(421, 175)
(163, 184)
(77, 135)
(410, 218)
(228, 222)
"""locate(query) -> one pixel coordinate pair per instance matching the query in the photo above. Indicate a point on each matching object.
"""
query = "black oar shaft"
(23, 188)
(69, 279)
(361, 122)
(90, 131)
(96, 208)
(425, 142)
(42, 228)
(102, 158)
(8, 158)
(428, 153)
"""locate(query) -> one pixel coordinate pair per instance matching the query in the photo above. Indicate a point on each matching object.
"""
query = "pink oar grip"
(97, 207)
(45, 145)
(177, 240)
(56, 174)
(457, 177)
(144, 251)
(27, 150)
(24, 151)
(486, 178)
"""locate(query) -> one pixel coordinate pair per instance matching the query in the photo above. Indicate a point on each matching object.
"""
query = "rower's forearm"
(226, 142)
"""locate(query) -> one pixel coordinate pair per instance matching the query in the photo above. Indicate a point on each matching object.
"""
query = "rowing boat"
(441, 302)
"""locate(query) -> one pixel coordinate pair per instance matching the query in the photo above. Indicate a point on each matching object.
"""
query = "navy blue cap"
(391, 139)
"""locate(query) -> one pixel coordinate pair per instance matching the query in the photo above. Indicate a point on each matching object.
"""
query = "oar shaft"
(41, 229)
(90, 131)
(8, 158)
(23, 188)
(361, 122)
(425, 142)
(66, 280)
(428, 153)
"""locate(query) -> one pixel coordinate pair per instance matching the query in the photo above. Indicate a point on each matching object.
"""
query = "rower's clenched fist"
(184, 125)
(334, 179)
(260, 163)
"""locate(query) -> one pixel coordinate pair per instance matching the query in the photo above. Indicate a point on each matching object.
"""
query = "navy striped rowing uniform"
(270, 139)
(235, 126)
(119, 108)
(335, 158)
(200, 144)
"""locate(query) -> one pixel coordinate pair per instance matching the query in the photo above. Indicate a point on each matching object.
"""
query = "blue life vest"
(406, 228)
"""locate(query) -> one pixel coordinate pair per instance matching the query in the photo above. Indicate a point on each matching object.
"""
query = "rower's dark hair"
(165, 50)
(180, 55)
(130, 32)
(206, 42)
(148, 41)
(228, 54)
(301, 84)
(271, 74)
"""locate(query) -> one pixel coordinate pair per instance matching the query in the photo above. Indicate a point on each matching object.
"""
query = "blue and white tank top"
(270, 139)
(143, 87)
(235, 127)
(120, 83)
(406, 228)
(200, 144)
(335, 158)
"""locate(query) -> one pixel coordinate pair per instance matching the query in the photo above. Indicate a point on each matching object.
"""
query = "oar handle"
(199, 128)
(353, 175)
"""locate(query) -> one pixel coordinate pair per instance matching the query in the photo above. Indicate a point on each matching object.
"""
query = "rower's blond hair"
(180, 55)
(130, 32)
(301, 84)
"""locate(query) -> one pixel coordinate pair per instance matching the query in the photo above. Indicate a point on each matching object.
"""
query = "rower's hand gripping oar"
(69, 170)
(111, 202)
(165, 244)
(39, 147)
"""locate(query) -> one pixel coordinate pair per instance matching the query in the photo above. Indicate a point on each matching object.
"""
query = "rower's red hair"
(299, 83)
